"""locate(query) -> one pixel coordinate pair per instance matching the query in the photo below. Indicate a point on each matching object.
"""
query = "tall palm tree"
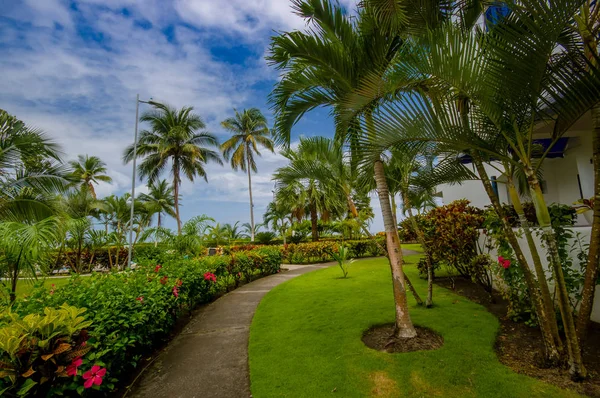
(249, 130)
(174, 142)
(278, 218)
(323, 67)
(160, 199)
(87, 171)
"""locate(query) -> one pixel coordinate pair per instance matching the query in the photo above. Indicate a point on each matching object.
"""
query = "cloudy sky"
(74, 67)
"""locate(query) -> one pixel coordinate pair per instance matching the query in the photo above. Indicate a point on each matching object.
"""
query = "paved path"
(209, 358)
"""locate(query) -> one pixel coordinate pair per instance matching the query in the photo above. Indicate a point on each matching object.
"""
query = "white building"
(567, 177)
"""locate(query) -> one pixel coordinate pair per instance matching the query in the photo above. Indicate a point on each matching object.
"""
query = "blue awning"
(557, 150)
(495, 13)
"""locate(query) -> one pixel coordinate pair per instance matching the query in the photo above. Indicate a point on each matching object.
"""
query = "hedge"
(314, 252)
(131, 313)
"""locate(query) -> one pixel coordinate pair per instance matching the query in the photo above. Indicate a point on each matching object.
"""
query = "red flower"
(175, 291)
(94, 376)
(504, 262)
(209, 276)
(179, 282)
(52, 290)
(164, 279)
(157, 268)
(72, 368)
(140, 299)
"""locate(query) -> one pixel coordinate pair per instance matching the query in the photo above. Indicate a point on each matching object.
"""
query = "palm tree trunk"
(157, 230)
(404, 326)
(421, 239)
(15, 277)
(593, 265)
(394, 209)
(250, 192)
(551, 352)
(176, 192)
(577, 371)
(314, 220)
(537, 262)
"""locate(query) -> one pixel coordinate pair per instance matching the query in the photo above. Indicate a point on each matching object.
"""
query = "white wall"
(584, 233)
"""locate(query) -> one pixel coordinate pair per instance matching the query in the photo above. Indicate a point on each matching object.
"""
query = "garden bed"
(380, 338)
(518, 346)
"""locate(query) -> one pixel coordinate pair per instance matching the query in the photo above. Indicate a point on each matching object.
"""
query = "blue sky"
(73, 68)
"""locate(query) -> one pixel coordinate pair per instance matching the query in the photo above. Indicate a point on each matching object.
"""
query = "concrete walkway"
(209, 358)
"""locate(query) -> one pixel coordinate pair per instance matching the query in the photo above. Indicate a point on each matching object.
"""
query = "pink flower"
(209, 276)
(140, 299)
(52, 289)
(72, 368)
(157, 268)
(175, 291)
(504, 262)
(164, 279)
(94, 376)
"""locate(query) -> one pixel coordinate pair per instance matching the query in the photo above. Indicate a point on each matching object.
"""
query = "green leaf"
(28, 385)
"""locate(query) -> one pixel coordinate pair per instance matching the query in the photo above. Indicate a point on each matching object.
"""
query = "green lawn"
(305, 341)
(24, 286)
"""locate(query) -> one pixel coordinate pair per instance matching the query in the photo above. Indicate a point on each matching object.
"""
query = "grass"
(25, 286)
(305, 341)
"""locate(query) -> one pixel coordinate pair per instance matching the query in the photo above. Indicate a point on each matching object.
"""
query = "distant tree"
(174, 141)
(87, 171)
(249, 130)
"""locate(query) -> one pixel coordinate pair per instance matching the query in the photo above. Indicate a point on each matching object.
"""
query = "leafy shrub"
(561, 215)
(134, 311)
(40, 352)
(265, 237)
(451, 233)
(406, 230)
(313, 252)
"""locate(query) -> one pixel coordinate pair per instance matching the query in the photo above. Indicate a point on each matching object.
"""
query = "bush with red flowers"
(133, 312)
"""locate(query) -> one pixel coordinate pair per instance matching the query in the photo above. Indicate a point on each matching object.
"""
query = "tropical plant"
(159, 200)
(485, 101)
(278, 218)
(323, 67)
(249, 130)
(343, 259)
(173, 141)
(87, 171)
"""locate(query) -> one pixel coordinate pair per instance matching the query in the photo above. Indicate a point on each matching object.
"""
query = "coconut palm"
(250, 131)
(484, 98)
(323, 67)
(160, 199)
(278, 218)
(87, 171)
(174, 142)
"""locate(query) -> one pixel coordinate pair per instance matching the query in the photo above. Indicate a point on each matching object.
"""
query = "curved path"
(209, 358)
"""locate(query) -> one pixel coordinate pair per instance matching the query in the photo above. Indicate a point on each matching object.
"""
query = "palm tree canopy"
(160, 198)
(173, 137)
(89, 170)
(249, 130)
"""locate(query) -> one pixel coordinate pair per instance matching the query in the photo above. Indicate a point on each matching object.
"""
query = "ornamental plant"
(342, 256)
(41, 353)
(132, 312)
(451, 233)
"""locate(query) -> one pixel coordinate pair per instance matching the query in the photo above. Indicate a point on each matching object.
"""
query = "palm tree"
(174, 142)
(87, 171)
(233, 231)
(323, 67)
(278, 217)
(485, 100)
(160, 199)
(249, 130)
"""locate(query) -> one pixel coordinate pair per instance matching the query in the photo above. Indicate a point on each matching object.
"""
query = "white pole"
(137, 110)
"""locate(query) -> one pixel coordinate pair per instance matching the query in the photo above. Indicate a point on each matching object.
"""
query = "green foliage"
(36, 349)
(561, 215)
(451, 233)
(314, 252)
(342, 256)
(134, 311)
(265, 237)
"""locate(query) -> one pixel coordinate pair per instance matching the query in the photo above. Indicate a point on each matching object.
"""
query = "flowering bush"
(133, 312)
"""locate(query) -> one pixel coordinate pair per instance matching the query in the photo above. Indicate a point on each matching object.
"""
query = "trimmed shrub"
(132, 312)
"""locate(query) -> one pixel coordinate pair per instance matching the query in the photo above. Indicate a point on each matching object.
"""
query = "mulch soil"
(380, 338)
(518, 346)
